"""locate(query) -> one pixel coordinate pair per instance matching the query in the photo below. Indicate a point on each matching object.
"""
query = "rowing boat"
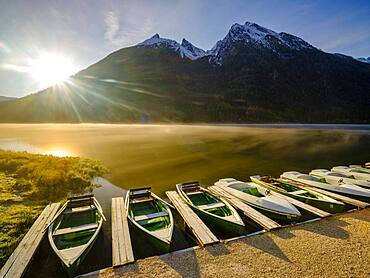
(152, 216)
(355, 172)
(363, 168)
(261, 199)
(349, 190)
(213, 210)
(74, 230)
(304, 195)
(338, 178)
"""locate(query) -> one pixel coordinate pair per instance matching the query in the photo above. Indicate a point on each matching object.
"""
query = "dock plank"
(200, 230)
(298, 203)
(17, 263)
(122, 252)
(267, 223)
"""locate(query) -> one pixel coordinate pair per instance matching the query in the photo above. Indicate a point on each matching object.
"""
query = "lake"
(162, 155)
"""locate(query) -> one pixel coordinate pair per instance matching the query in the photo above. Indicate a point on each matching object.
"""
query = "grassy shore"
(30, 181)
(337, 246)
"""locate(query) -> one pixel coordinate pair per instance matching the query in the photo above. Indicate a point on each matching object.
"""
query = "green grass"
(30, 181)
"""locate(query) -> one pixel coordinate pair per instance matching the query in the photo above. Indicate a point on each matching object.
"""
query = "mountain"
(364, 60)
(3, 98)
(185, 49)
(259, 37)
(253, 74)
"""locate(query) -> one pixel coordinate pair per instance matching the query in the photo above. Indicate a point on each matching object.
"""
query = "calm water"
(162, 155)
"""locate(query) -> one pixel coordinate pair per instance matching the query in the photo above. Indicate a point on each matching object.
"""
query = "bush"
(29, 181)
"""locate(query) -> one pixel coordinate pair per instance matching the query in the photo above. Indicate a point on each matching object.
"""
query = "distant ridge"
(252, 75)
(3, 98)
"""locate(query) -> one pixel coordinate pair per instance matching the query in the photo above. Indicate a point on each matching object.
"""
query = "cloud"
(112, 25)
(16, 68)
(127, 30)
(4, 47)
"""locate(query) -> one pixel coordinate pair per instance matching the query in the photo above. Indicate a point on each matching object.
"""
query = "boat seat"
(211, 206)
(150, 216)
(194, 193)
(81, 228)
(298, 192)
(79, 209)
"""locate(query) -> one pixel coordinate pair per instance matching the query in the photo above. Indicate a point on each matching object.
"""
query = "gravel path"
(334, 247)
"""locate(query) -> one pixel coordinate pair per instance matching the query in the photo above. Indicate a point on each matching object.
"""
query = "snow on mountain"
(249, 33)
(190, 50)
(185, 49)
(364, 60)
(257, 35)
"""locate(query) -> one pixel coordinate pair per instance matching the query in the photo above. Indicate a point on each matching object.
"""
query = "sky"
(85, 31)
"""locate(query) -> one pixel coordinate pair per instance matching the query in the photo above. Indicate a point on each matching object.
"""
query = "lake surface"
(162, 155)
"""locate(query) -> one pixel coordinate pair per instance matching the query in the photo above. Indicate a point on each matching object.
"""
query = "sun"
(51, 69)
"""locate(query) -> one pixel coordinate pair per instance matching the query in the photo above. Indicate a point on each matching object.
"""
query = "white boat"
(210, 208)
(356, 173)
(260, 198)
(350, 190)
(74, 230)
(362, 168)
(150, 215)
(338, 178)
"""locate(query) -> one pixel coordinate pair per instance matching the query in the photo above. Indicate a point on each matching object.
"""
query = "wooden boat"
(74, 230)
(349, 190)
(337, 178)
(261, 199)
(150, 215)
(304, 195)
(362, 168)
(354, 172)
(210, 208)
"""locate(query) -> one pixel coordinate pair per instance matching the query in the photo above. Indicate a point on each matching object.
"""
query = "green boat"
(304, 195)
(211, 209)
(260, 199)
(152, 216)
(74, 230)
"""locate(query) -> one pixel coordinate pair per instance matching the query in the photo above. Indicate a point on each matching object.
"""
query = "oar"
(98, 207)
(55, 217)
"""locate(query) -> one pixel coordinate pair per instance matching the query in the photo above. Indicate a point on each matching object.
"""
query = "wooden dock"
(121, 242)
(267, 223)
(339, 197)
(298, 203)
(200, 230)
(17, 263)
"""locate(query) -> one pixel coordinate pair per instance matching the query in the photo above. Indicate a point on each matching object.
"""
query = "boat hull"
(72, 269)
(228, 227)
(158, 244)
(320, 204)
(277, 216)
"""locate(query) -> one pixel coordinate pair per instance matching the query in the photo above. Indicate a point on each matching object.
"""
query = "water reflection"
(162, 155)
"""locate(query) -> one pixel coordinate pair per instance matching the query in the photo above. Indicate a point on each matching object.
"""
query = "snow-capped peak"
(190, 50)
(364, 60)
(185, 49)
(156, 40)
(252, 33)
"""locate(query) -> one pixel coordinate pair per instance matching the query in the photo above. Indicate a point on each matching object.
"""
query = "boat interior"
(292, 189)
(77, 224)
(246, 188)
(148, 211)
(203, 200)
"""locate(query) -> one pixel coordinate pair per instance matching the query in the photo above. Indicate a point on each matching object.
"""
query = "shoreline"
(337, 246)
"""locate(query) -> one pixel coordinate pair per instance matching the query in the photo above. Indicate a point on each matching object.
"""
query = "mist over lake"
(162, 155)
